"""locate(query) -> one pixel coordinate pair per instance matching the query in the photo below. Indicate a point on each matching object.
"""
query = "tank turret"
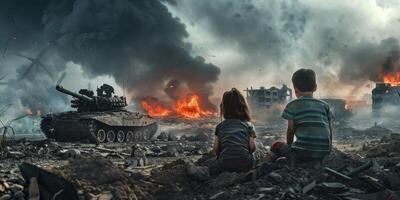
(86, 101)
(98, 118)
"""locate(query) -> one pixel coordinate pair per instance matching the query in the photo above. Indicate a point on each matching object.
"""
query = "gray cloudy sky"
(259, 43)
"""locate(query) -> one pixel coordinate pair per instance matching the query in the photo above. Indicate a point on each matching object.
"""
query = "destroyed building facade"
(339, 108)
(265, 98)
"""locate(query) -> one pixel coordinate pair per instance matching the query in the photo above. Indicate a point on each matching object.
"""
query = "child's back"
(234, 137)
(311, 119)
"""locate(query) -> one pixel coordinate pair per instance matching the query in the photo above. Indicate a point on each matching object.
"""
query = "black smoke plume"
(138, 42)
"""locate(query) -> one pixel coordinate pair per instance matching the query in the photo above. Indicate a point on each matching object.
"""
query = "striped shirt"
(234, 136)
(312, 119)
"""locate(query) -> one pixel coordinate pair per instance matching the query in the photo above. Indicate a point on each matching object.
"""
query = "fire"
(190, 107)
(392, 79)
(154, 109)
(28, 111)
(187, 107)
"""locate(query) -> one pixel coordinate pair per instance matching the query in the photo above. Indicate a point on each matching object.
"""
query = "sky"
(208, 46)
(261, 43)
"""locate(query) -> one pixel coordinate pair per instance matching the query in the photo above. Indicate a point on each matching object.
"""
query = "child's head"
(304, 82)
(234, 106)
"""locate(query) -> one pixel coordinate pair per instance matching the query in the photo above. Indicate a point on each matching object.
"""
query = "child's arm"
(290, 132)
(252, 144)
(252, 137)
(216, 145)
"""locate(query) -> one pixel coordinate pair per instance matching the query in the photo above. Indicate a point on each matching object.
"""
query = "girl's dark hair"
(234, 106)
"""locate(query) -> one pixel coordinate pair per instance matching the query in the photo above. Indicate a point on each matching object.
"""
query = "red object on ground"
(276, 146)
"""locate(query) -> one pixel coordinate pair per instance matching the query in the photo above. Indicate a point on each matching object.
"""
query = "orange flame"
(393, 79)
(154, 109)
(190, 107)
(187, 107)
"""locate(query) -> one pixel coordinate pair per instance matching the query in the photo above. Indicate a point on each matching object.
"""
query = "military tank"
(98, 119)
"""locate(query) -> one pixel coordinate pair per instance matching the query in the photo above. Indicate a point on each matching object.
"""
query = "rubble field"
(163, 168)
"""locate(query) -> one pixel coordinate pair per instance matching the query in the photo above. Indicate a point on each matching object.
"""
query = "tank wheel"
(110, 136)
(120, 136)
(101, 135)
(129, 136)
(138, 135)
(146, 134)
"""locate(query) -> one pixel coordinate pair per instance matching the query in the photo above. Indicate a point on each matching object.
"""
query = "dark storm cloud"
(139, 43)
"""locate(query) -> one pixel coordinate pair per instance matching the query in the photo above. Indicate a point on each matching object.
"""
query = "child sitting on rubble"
(309, 119)
(234, 141)
(234, 137)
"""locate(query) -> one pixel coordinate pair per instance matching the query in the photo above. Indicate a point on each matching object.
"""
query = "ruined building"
(265, 98)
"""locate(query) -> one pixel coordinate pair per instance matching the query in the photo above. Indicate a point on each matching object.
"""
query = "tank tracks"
(103, 133)
(111, 134)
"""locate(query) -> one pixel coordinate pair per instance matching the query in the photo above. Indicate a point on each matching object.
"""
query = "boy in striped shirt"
(309, 119)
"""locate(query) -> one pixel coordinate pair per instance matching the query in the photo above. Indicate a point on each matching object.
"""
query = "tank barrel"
(78, 96)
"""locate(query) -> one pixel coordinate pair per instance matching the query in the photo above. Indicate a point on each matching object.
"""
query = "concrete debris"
(216, 196)
(173, 166)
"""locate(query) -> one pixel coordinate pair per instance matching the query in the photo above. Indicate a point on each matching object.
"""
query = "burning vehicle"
(387, 92)
(98, 119)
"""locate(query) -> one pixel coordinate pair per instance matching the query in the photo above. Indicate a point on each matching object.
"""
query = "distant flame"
(190, 107)
(187, 107)
(28, 111)
(155, 109)
(392, 79)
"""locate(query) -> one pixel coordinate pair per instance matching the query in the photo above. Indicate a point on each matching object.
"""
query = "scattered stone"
(267, 189)
(106, 196)
(163, 136)
(226, 179)
(201, 137)
(183, 138)
(275, 177)
(199, 173)
(217, 195)
(333, 187)
(172, 137)
(5, 197)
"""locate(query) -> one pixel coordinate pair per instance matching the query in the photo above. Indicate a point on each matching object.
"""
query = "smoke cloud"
(139, 43)
(346, 43)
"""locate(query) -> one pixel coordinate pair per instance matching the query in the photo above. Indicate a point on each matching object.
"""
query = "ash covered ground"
(364, 165)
